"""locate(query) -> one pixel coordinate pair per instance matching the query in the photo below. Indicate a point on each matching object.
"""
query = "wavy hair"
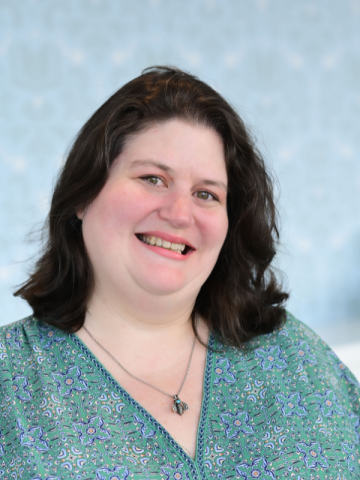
(242, 297)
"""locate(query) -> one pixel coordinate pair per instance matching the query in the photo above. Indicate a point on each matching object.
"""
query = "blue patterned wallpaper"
(292, 69)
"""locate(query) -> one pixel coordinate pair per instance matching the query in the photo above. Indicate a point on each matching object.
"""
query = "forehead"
(176, 144)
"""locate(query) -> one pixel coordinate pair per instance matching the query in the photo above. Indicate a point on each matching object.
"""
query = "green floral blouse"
(283, 407)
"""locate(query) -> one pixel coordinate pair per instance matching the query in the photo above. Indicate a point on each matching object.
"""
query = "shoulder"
(17, 334)
(294, 356)
(304, 350)
(291, 391)
(28, 335)
(16, 344)
(28, 349)
(293, 331)
(13, 336)
(28, 321)
(296, 333)
(312, 350)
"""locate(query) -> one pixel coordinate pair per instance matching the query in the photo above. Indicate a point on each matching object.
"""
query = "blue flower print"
(116, 473)
(304, 354)
(349, 450)
(328, 403)
(1, 447)
(159, 454)
(46, 478)
(236, 423)
(91, 430)
(343, 372)
(12, 338)
(3, 353)
(291, 405)
(174, 473)
(271, 357)
(33, 437)
(19, 386)
(49, 335)
(69, 381)
(146, 431)
(341, 369)
(222, 371)
(355, 423)
(257, 470)
(312, 454)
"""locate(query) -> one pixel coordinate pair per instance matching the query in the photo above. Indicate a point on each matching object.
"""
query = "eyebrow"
(141, 163)
(166, 168)
(216, 184)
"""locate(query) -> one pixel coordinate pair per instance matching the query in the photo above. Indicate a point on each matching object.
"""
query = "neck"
(144, 321)
(149, 346)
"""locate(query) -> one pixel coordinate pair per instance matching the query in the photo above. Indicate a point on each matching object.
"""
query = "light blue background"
(291, 68)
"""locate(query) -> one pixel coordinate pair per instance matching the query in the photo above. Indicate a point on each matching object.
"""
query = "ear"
(81, 213)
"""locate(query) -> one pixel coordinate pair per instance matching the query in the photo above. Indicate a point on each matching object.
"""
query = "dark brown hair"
(241, 298)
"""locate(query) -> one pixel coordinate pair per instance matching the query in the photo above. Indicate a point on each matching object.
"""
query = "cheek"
(214, 228)
(121, 208)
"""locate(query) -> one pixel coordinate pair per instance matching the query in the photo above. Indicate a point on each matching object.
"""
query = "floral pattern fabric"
(284, 406)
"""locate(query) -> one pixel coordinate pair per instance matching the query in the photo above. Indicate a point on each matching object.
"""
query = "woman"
(159, 345)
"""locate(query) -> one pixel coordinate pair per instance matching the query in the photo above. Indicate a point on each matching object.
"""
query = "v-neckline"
(157, 425)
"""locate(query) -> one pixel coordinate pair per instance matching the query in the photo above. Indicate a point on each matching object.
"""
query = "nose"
(178, 210)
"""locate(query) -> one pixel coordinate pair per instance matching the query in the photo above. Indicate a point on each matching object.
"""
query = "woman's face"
(160, 221)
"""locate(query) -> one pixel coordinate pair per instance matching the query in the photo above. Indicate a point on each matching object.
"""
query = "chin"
(163, 287)
(168, 284)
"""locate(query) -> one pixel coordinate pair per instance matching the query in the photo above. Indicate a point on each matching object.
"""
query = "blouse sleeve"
(337, 389)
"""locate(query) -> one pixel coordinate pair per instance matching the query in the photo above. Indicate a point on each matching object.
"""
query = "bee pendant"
(179, 406)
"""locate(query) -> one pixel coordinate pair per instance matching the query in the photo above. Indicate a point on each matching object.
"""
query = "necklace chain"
(144, 381)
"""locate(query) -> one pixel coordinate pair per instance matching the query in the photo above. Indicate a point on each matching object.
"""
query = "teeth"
(159, 242)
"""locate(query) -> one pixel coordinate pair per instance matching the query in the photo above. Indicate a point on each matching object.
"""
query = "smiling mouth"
(180, 248)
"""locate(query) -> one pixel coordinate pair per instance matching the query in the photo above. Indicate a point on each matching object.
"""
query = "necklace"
(178, 406)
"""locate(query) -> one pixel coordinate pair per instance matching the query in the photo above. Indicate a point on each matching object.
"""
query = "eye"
(204, 195)
(153, 179)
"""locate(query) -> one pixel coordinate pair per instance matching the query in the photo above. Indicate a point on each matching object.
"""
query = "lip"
(168, 237)
(164, 252)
